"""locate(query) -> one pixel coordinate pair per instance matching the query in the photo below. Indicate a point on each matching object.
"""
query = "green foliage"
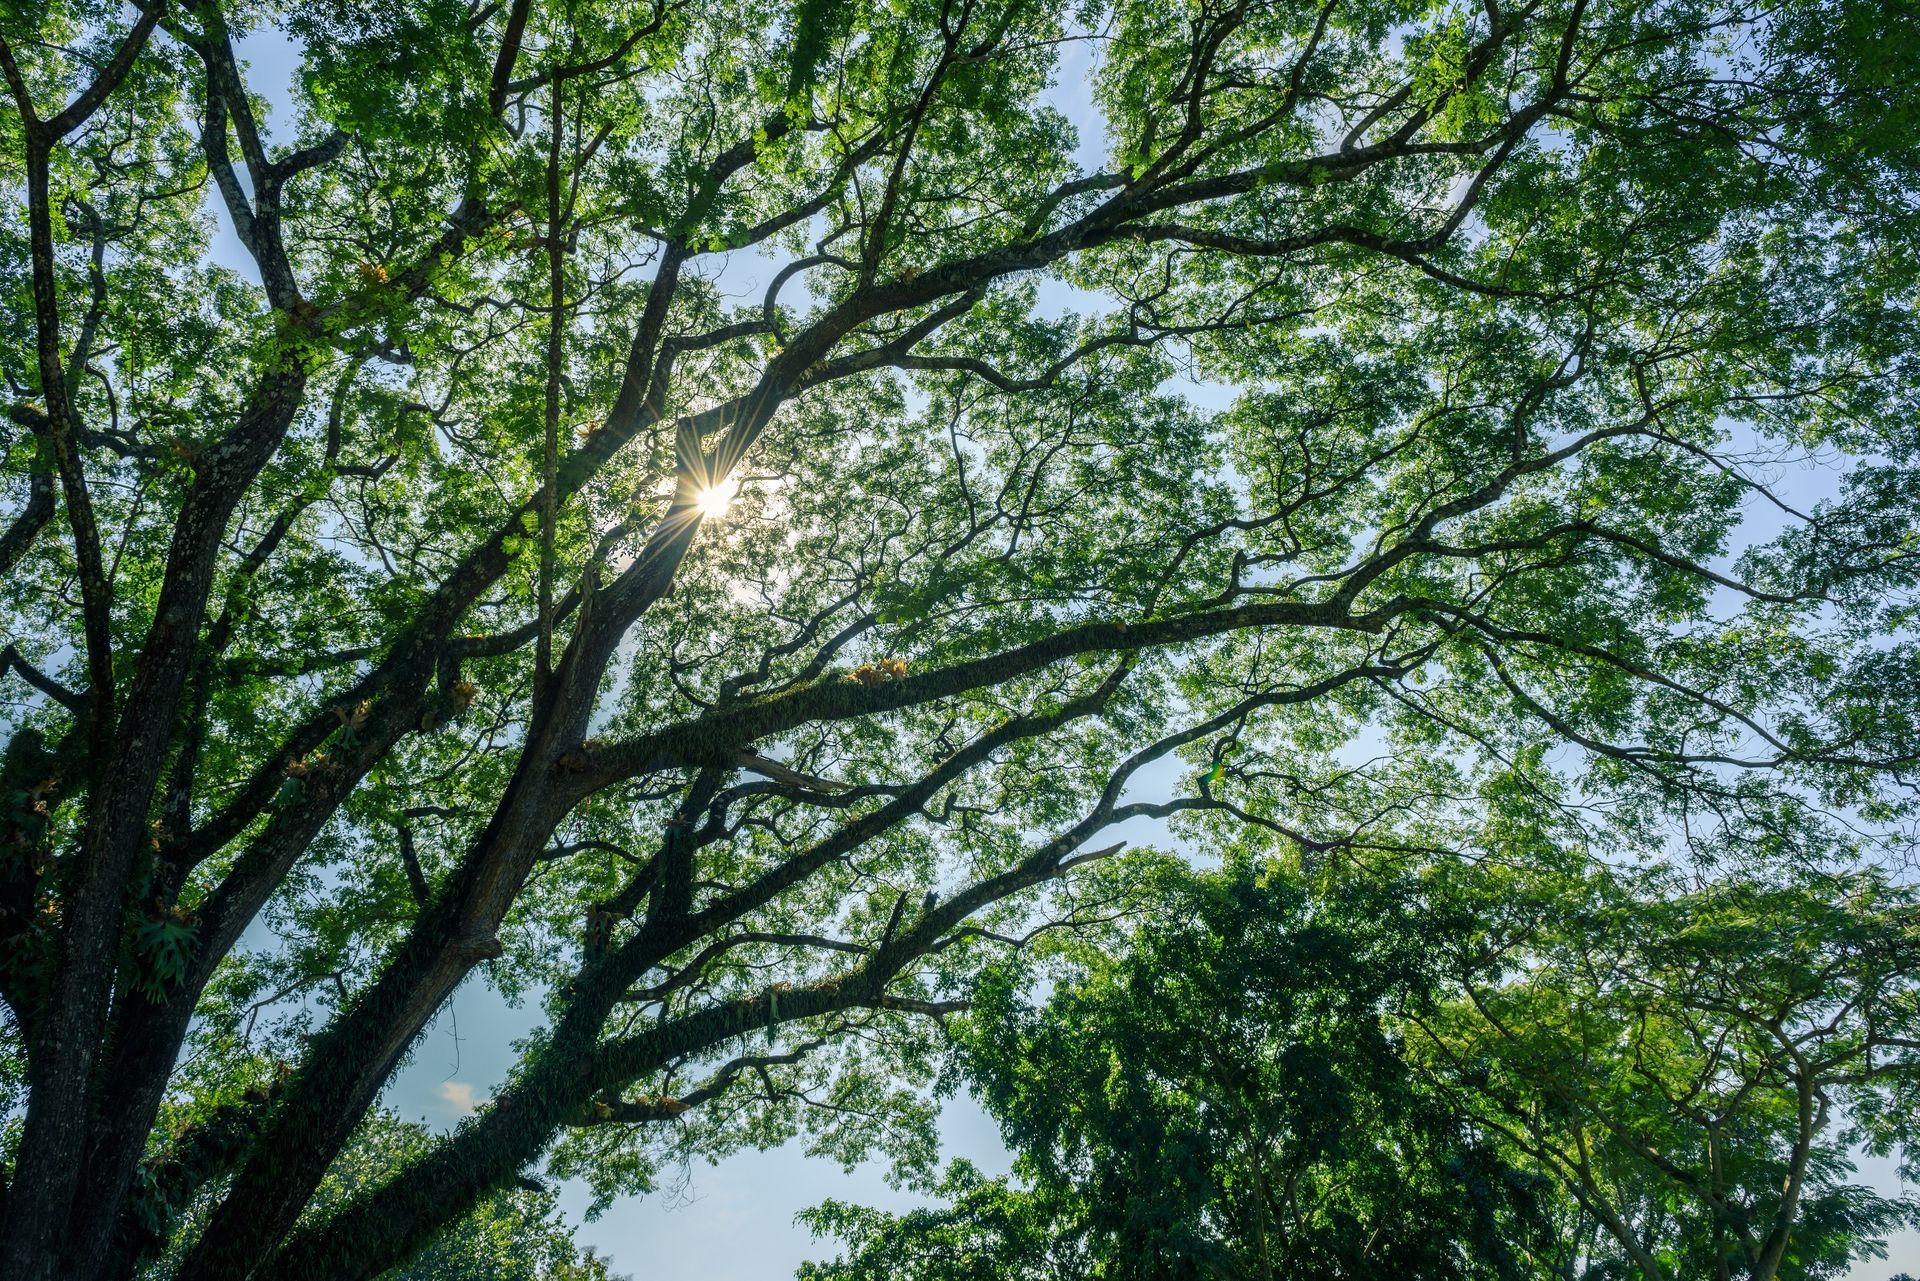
(1225, 1096)
(516, 1235)
(1695, 1062)
(1457, 459)
(1529, 1072)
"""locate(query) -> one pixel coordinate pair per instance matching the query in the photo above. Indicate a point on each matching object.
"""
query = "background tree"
(1694, 1063)
(1592, 1079)
(376, 594)
(1221, 1093)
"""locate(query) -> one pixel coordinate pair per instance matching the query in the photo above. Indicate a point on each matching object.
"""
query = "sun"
(714, 500)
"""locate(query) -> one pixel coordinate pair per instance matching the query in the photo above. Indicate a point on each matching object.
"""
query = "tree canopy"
(1400, 1078)
(1225, 1096)
(1359, 434)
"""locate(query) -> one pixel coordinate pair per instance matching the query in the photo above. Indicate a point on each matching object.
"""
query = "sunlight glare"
(714, 500)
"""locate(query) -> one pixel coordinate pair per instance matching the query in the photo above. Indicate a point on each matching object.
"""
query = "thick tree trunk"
(55, 1140)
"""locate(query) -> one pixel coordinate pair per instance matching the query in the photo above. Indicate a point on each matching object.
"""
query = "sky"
(734, 1221)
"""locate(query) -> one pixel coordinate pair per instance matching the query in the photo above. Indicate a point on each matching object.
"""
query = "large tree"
(1539, 1070)
(1220, 1091)
(376, 616)
(1691, 1062)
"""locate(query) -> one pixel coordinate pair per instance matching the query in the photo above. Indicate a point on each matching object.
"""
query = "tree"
(1222, 1094)
(1694, 1063)
(1535, 1070)
(386, 594)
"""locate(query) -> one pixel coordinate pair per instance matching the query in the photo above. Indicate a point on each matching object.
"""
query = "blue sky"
(734, 1221)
